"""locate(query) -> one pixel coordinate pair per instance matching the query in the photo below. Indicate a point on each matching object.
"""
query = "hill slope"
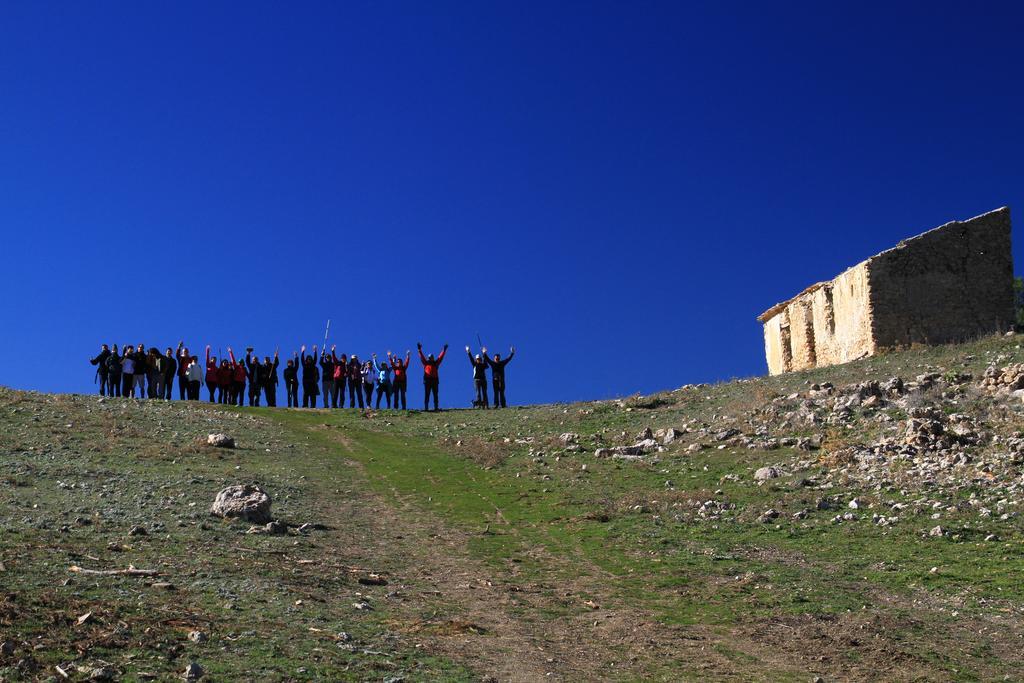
(858, 522)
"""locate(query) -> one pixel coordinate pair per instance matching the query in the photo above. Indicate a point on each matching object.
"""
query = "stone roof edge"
(771, 312)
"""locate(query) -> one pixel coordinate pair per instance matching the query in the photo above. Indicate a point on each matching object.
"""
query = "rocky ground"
(850, 523)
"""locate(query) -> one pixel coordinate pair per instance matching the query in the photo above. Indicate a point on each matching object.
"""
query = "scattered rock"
(245, 501)
(273, 528)
(193, 672)
(102, 673)
(766, 473)
(198, 636)
(220, 441)
(937, 531)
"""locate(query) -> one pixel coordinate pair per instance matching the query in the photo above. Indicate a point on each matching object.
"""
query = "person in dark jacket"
(127, 371)
(479, 379)
(102, 373)
(255, 371)
(310, 378)
(170, 368)
(155, 365)
(498, 375)
(355, 382)
(268, 377)
(141, 372)
(431, 374)
(291, 381)
(113, 363)
(327, 378)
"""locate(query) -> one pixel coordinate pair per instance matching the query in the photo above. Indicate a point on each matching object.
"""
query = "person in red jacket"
(225, 378)
(212, 375)
(340, 376)
(431, 377)
(400, 382)
(238, 375)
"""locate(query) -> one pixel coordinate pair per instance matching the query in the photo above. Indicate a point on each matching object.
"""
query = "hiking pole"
(327, 331)
(478, 340)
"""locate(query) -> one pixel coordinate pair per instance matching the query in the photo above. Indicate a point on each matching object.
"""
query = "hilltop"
(855, 522)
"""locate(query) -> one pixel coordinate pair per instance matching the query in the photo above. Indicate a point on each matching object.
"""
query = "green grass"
(613, 538)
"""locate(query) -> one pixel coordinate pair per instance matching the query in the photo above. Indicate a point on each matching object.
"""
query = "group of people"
(136, 372)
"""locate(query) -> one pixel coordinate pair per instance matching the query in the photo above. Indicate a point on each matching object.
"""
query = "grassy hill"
(840, 523)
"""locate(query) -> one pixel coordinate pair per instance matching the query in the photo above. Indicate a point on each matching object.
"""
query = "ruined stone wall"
(950, 284)
(826, 324)
(776, 344)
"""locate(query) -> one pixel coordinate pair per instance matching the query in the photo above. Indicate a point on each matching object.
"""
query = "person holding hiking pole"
(255, 373)
(498, 374)
(479, 378)
(431, 376)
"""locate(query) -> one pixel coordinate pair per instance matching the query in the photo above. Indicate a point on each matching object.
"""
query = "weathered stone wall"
(776, 344)
(949, 284)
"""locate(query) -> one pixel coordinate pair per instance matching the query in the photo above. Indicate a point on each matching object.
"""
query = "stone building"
(949, 284)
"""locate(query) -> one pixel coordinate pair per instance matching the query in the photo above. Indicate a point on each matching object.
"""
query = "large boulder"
(220, 441)
(246, 501)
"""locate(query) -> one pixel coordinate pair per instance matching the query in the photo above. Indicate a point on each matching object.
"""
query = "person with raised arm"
(310, 378)
(255, 372)
(498, 374)
(291, 380)
(184, 358)
(327, 377)
(225, 377)
(401, 381)
(238, 376)
(431, 374)
(479, 378)
(212, 373)
(102, 372)
(340, 375)
(268, 378)
(383, 374)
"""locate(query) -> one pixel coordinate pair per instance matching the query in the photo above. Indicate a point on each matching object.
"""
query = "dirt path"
(506, 627)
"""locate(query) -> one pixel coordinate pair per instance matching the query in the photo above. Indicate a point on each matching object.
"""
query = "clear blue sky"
(618, 189)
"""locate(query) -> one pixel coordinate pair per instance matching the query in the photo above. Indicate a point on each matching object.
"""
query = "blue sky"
(618, 189)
